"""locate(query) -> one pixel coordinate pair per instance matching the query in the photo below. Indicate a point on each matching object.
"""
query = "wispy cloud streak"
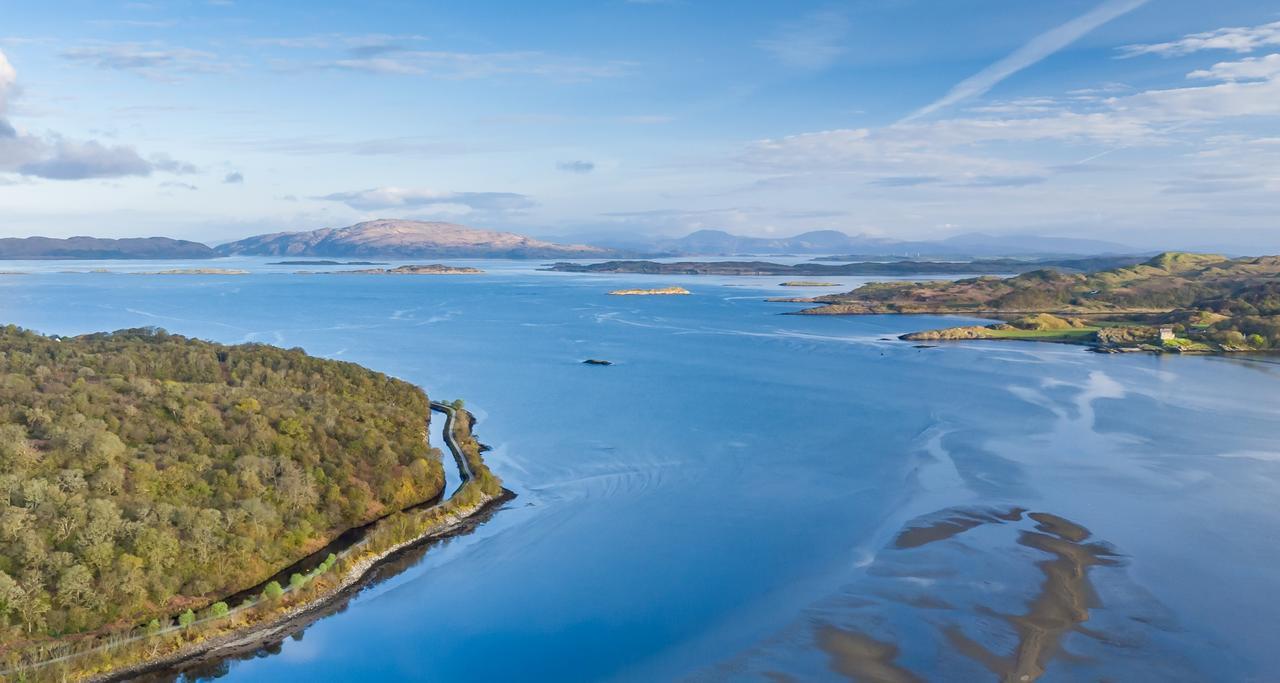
(1240, 39)
(1033, 52)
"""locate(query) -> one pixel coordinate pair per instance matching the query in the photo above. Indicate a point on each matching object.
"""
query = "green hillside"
(145, 473)
(1230, 304)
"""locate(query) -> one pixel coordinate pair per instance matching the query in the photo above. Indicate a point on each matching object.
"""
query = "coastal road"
(464, 471)
(464, 467)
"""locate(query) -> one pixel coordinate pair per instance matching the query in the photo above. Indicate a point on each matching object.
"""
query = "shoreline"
(309, 612)
(1092, 346)
(1087, 337)
(472, 503)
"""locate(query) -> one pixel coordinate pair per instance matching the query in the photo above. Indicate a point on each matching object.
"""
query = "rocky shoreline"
(427, 269)
(664, 291)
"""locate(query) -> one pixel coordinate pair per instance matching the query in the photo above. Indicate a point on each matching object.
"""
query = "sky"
(1154, 123)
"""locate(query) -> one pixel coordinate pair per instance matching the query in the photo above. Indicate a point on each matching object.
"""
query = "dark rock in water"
(596, 361)
(925, 346)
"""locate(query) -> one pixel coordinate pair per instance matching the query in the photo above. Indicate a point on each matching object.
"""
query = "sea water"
(727, 500)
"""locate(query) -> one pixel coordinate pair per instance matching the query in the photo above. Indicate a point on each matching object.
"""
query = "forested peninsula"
(148, 476)
(1175, 302)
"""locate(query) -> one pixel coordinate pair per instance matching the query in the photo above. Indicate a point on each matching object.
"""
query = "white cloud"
(951, 148)
(61, 159)
(8, 78)
(988, 144)
(151, 61)
(1034, 51)
(456, 202)
(577, 166)
(896, 152)
(1179, 169)
(1248, 69)
(814, 42)
(397, 54)
(1236, 39)
(403, 146)
(475, 65)
(366, 42)
(57, 158)
(379, 65)
(1206, 103)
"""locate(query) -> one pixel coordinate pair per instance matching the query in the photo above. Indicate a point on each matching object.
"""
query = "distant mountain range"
(896, 267)
(720, 243)
(405, 239)
(49, 248)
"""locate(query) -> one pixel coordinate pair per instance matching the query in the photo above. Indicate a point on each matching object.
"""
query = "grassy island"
(325, 262)
(664, 291)
(1176, 302)
(148, 476)
(199, 271)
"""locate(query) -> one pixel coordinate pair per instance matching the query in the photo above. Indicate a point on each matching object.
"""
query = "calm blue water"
(722, 503)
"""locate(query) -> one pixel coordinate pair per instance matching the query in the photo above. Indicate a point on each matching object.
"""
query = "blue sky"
(1153, 122)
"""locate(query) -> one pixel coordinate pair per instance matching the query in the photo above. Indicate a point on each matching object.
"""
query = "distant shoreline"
(885, 268)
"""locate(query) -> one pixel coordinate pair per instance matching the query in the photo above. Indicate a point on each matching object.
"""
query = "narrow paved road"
(464, 467)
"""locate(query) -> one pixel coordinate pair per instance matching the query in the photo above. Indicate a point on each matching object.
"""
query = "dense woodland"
(143, 472)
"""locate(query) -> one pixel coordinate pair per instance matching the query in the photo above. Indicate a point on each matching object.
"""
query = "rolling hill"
(50, 248)
(405, 239)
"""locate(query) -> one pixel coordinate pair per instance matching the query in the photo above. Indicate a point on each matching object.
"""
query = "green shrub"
(273, 591)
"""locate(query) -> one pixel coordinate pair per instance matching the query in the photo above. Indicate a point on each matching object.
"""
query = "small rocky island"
(808, 283)
(428, 269)
(326, 263)
(596, 361)
(198, 271)
(663, 291)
